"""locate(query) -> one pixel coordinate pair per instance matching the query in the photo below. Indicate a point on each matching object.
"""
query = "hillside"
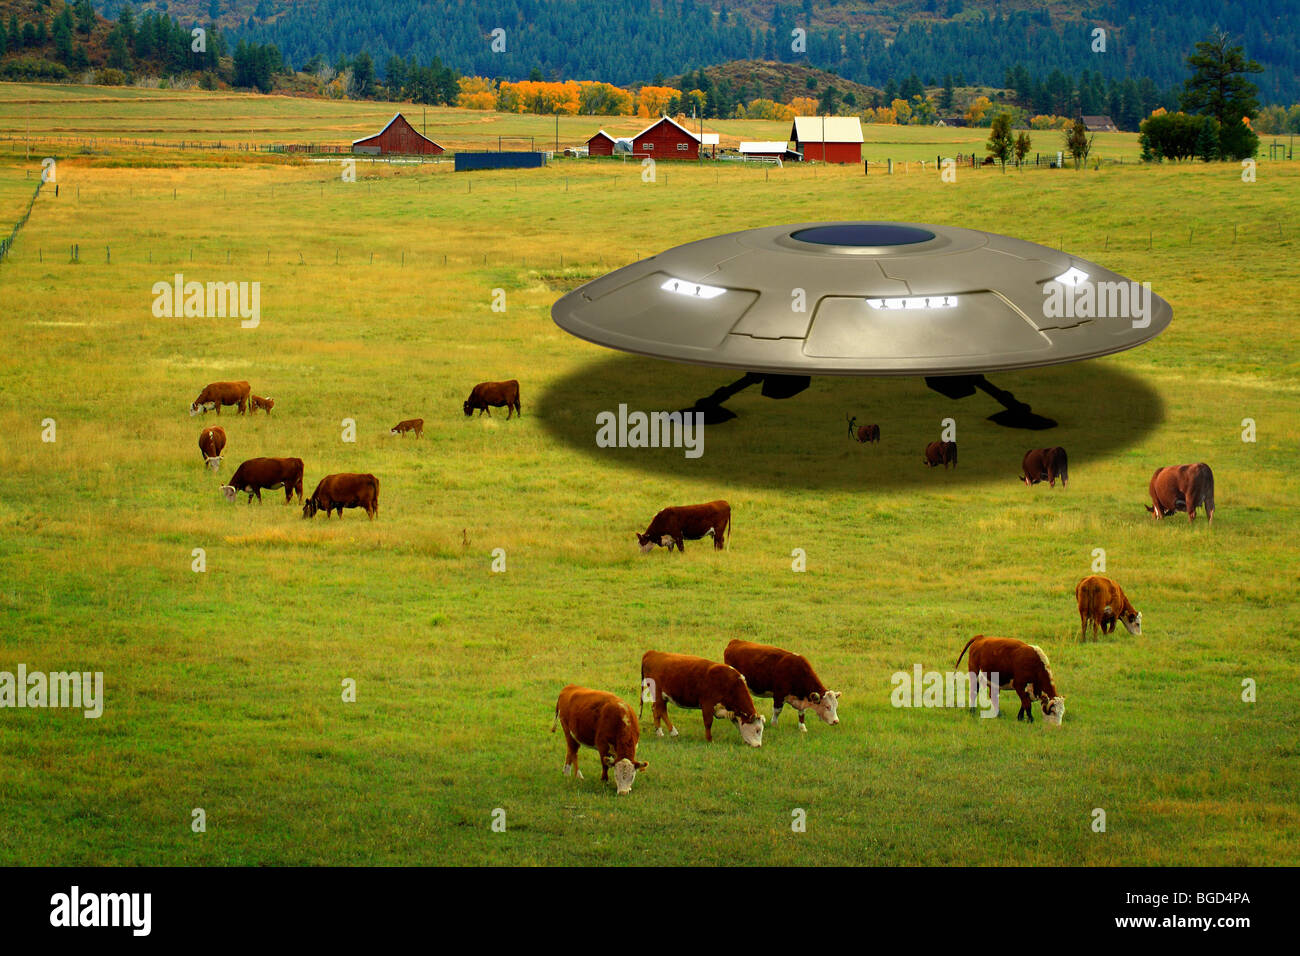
(866, 42)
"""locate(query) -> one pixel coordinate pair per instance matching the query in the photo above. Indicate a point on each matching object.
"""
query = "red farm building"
(830, 139)
(398, 137)
(666, 139)
(602, 144)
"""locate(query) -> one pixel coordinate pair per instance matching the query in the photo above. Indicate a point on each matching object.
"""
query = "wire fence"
(7, 243)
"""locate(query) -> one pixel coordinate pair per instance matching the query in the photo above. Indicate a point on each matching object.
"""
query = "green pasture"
(224, 687)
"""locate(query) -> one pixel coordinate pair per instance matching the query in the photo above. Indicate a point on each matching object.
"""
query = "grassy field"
(224, 687)
(102, 118)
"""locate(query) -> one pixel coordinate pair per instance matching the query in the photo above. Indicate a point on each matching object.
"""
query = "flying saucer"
(865, 298)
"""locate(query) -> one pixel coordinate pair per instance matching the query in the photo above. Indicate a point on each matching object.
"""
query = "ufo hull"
(877, 299)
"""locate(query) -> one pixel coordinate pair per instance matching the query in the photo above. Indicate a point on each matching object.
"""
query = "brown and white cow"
(265, 404)
(410, 425)
(716, 690)
(489, 395)
(212, 441)
(863, 433)
(1182, 488)
(1045, 464)
(598, 719)
(217, 394)
(1101, 603)
(786, 677)
(673, 526)
(1020, 666)
(336, 492)
(941, 453)
(259, 474)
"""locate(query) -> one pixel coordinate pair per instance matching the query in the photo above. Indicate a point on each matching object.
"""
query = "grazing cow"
(489, 395)
(1045, 464)
(597, 719)
(221, 393)
(1182, 488)
(1101, 603)
(785, 677)
(941, 453)
(265, 404)
(258, 474)
(336, 492)
(716, 690)
(410, 425)
(863, 433)
(212, 441)
(1018, 665)
(674, 525)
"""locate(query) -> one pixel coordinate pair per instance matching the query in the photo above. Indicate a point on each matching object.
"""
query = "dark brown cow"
(673, 526)
(863, 433)
(1182, 488)
(489, 395)
(597, 719)
(221, 393)
(786, 677)
(1020, 666)
(336, 492)
(716, 690)
(265, 404)
(410, 425)
(1045, 464)
(941, 453)
(212, 441)
(1101, 603)
(258, 474)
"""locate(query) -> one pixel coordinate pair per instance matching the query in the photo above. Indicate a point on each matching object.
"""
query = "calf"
(489, 395)
(212, 441)
(336, 492)
(1018, 665)
(941, 453)
(1101, 603)
(716, 690)
(605, 723)
(863, 433)
(257, 474)
(265, 404)
(675, 525)
(1182, 488)
(785, 677)
(221, 393)
(410, 425)
(1045, 464)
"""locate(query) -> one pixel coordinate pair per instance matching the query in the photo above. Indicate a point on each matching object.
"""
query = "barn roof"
(1098, 122)
(600, 132)
(829, 129)
(396, 117)
(665, 119)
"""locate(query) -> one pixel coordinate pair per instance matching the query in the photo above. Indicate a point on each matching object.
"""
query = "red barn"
(831, 139)
(602, 144)
(666, 139)
(398, 136)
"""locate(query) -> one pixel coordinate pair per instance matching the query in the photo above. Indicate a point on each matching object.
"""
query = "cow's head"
(468, 409)
(1132, 621)
(194, 409)
(824, 705)
(230, 492)
(1026, 479)
(392, 431)
(268, 403)
(1053, 709)
(750, 727)
(213, 464)
(310, 507)
(648, 543)
(625, 774)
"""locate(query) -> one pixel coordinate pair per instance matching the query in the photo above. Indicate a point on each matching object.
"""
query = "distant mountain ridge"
(865, 42)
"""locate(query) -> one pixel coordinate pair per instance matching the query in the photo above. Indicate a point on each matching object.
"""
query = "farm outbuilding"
(666, 139)
(831, 139)
(397, 138)
(1099, 124)
(602, 144)
(769, 150)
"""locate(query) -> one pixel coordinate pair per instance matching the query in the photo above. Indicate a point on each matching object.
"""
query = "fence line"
(7, 243)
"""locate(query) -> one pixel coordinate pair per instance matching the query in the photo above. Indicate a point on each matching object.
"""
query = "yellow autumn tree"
(975, 112)
(652, 101)
(902, 111)
(476, 93)
(804, 106)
